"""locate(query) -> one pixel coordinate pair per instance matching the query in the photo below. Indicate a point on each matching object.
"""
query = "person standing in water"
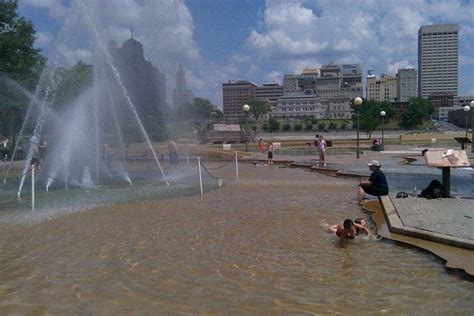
(173, 152)
(261, 146)
(270, 153)
(322, 150)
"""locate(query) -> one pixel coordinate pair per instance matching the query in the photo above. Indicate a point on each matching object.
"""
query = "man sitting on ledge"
(375, 185)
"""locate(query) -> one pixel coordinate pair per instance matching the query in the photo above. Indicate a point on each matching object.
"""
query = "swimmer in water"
(350, 229)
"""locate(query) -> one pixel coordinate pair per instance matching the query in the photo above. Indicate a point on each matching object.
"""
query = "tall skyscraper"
(438, 59)
(181, 94)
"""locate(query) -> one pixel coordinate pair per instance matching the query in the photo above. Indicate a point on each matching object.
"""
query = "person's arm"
(363, 228)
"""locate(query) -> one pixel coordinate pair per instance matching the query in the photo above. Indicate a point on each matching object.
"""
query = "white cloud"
(69, 57)
(274, 76)
(380, 35)
(43, 39)
(393, 67)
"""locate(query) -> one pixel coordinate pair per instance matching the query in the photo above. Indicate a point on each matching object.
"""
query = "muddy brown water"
(256, 246)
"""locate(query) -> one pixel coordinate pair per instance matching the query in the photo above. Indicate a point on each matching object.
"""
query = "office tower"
(438, 59)
(406, 84)
(181, 94)
(235, 94)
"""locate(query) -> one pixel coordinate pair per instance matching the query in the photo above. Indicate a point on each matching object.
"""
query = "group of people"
(268, 148)
(375, 185)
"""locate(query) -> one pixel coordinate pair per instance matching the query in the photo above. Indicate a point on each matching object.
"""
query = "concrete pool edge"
(455, 258)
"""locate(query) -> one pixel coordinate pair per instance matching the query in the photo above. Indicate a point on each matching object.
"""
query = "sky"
(255, 40)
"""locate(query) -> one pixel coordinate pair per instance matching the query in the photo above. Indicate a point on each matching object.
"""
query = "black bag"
(433, 191)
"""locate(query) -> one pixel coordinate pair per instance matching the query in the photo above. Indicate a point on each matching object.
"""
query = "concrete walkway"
(447, 221)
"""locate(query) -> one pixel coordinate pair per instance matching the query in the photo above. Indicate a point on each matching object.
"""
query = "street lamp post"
(466, 109)
(357, 103)
(382, 114)
(246, 109)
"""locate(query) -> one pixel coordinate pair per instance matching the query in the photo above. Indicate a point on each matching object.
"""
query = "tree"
(273, 124)
(20, 62)
(418, 108)
(369, 115)
(258, 108)
(197, 112)
(73, 82)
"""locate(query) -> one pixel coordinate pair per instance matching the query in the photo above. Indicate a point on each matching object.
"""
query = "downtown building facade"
(144, 83)
(323, 93)
(438, 60)
(381, 89)
(406, 84)
(235, 94)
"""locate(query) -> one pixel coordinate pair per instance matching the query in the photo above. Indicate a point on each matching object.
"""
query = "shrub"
(321, 126)
(308, 126)
(314, 121)
(343, 125)
(265, 126)
(273, 124)
(332, 125)
(298, 127)
(286, 126)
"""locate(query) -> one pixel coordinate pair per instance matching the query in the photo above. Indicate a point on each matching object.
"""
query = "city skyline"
(260, 41)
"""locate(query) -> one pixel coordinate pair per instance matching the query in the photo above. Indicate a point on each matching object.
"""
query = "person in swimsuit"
(350, 229)
(347, 231)
(361, 226)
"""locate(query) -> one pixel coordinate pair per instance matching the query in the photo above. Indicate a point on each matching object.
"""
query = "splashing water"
(77, 149)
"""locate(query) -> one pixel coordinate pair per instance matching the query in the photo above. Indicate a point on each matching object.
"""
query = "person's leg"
(360, 194)
(333, 228)
(323, 155)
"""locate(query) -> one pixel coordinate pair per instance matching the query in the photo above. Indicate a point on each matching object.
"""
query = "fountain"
(79, 131)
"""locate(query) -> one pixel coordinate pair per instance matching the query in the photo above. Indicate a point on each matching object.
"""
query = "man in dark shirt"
(375, 185)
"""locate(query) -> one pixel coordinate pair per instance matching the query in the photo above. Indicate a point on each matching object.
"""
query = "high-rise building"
(161, 87)
(269, 92)
(235, 94)
(142, 81)
(406, 84)
(438, 59)
(181, 94)
(381, 89)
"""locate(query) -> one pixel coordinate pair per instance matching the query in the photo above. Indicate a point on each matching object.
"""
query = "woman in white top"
(322, 151)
